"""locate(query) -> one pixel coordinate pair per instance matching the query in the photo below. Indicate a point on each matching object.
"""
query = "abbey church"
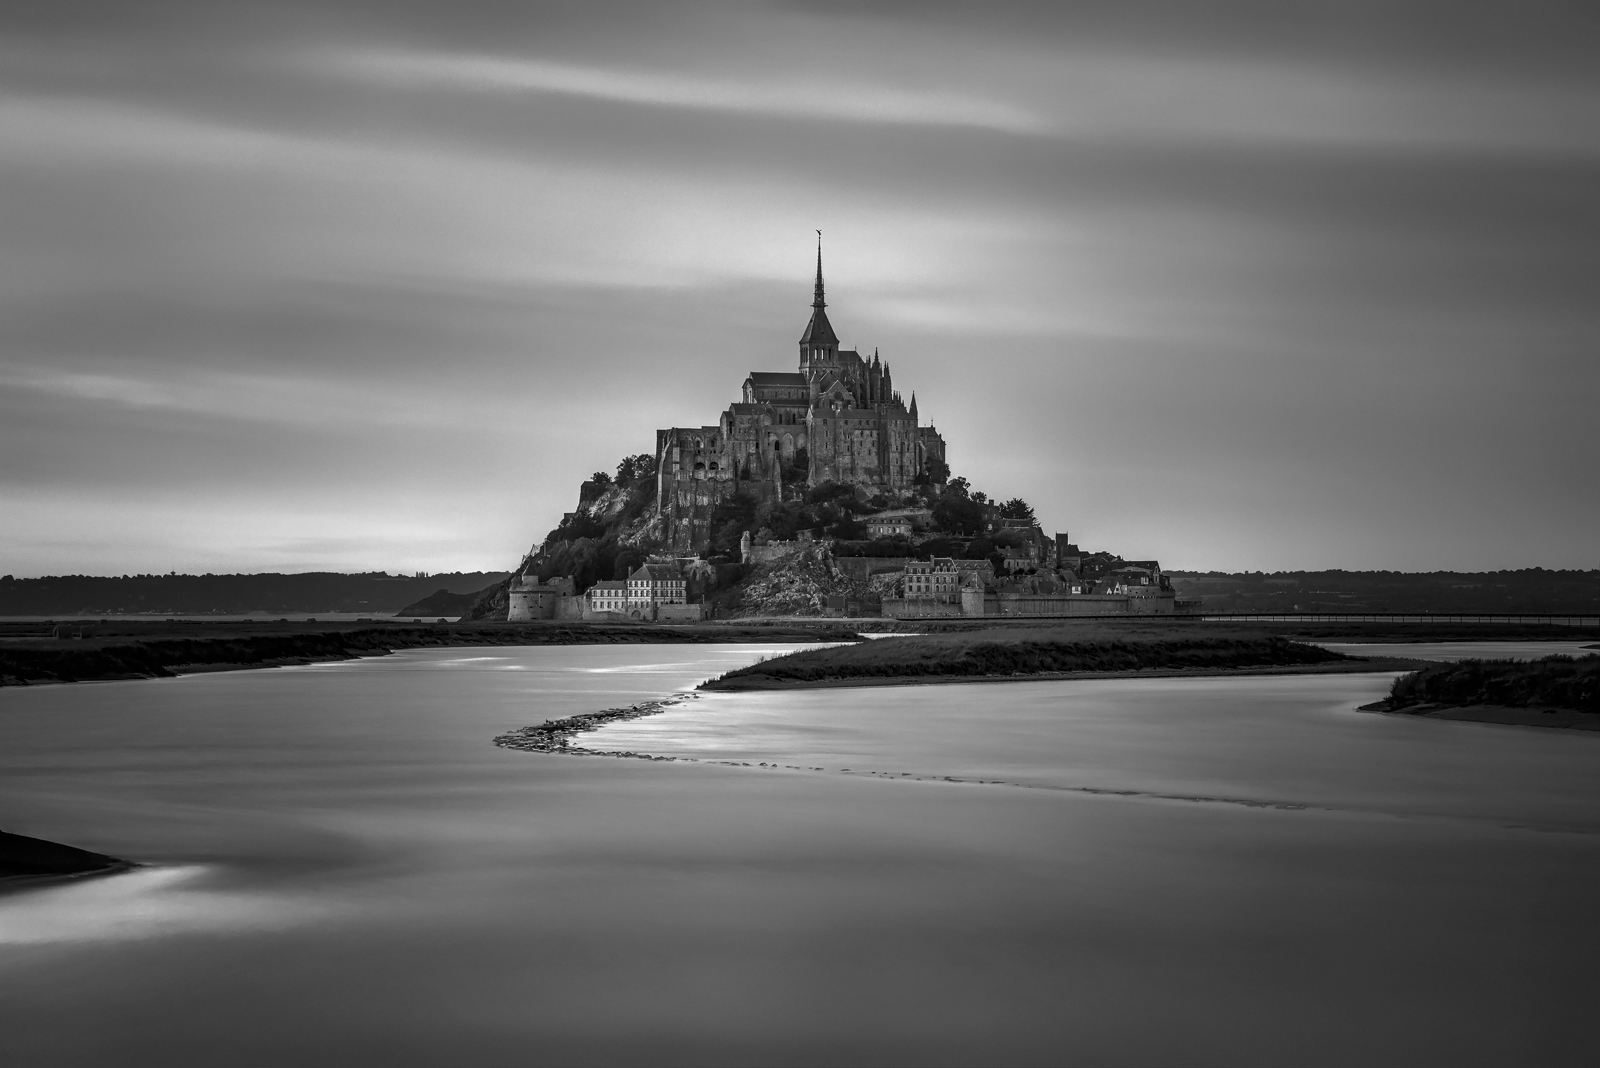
(837, 419)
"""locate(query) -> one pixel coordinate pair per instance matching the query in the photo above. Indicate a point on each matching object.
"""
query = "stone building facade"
(838, 418)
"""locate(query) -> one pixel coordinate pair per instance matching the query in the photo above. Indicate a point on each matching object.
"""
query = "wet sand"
(343, 870)
(1508, 715)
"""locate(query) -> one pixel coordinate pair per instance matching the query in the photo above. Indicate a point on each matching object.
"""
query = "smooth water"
(344, 870)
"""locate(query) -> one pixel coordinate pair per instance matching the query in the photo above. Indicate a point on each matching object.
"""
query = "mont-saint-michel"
(819, 492)
(1086, 560)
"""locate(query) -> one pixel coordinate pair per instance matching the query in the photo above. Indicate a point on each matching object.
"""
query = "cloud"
(1218, 289)
(818, 96)
(264, 398)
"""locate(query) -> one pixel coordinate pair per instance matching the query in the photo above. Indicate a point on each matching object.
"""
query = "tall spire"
(817, 301)
(819, 342)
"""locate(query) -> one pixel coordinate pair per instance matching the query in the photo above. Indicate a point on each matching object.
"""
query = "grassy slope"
(1554, 681)
(1033, 650)
(21, 856)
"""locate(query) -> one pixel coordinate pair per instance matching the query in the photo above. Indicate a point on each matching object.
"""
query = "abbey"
(837, 419)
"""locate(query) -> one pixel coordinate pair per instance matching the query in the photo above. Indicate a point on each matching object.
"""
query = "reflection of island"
(996, 653)
(1554, 691)
(22, 857)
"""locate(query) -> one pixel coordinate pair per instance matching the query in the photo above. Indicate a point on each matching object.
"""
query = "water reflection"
(347, 872)
(144, 903)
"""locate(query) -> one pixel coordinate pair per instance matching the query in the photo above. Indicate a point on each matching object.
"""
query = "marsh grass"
(1556, 681)
(1027, 653)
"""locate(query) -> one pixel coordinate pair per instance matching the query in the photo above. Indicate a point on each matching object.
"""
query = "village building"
(888, 526)
(653, 585)
(933, 580)
(609, 596)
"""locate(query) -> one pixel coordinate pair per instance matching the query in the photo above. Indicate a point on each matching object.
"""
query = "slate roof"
(819, 331)
(658, 572)
(777, 378)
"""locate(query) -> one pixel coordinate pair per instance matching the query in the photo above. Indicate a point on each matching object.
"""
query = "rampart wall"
(859, 568)
(917, 608)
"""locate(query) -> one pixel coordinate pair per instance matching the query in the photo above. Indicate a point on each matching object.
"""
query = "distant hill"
(312, 591)
(442, 602)
(1532, 590)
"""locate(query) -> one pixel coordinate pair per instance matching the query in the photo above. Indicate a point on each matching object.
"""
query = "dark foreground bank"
(1032, 653)
(1554, 691)
(160, 650)
(28, 859)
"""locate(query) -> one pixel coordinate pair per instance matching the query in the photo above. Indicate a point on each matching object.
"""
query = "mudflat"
(31, 654)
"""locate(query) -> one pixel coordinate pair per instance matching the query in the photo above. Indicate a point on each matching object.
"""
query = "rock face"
(798, 583)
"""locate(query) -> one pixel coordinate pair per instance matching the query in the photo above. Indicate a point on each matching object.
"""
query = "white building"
(655, 584)
(933, 580)
(609, 596)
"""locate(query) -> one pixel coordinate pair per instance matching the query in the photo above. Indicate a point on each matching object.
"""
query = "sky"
(355, 285)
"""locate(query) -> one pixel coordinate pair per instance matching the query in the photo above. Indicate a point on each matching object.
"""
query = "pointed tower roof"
(819, 331)
(913, 404)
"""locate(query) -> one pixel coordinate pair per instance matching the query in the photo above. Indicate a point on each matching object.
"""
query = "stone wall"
(680, 613)
(1086, 604)
(908, 608)
(860, 568)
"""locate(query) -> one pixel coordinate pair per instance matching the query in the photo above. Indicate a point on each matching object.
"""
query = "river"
(342, 869)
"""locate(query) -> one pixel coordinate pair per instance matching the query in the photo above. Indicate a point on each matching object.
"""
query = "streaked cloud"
(815, 97)
(1238, 291)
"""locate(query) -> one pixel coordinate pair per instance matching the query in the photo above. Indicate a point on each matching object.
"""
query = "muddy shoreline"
(122, 652)
(1504, 715)
(26, 862)
(761, 683)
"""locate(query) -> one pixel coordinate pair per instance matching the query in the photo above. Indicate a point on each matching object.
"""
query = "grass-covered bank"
(26, 859)
(1034, 652)
(1554, 691)
(156, 650)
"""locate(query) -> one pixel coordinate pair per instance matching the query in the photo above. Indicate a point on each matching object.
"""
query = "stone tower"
(819, 345)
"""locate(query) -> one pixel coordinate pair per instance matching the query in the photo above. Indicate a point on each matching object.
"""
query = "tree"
(1017, 508)
(797, 469)
(829, 491)
(627, 562)
(958, 515)
(730, 519)
(635, 468)
(936, 470)
(980, 549)
(576, 525)
(848, 528)
(600, 478)
(958, 487)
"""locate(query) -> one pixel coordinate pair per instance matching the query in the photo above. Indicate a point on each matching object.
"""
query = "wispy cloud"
(265, 398)
(821, 96)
